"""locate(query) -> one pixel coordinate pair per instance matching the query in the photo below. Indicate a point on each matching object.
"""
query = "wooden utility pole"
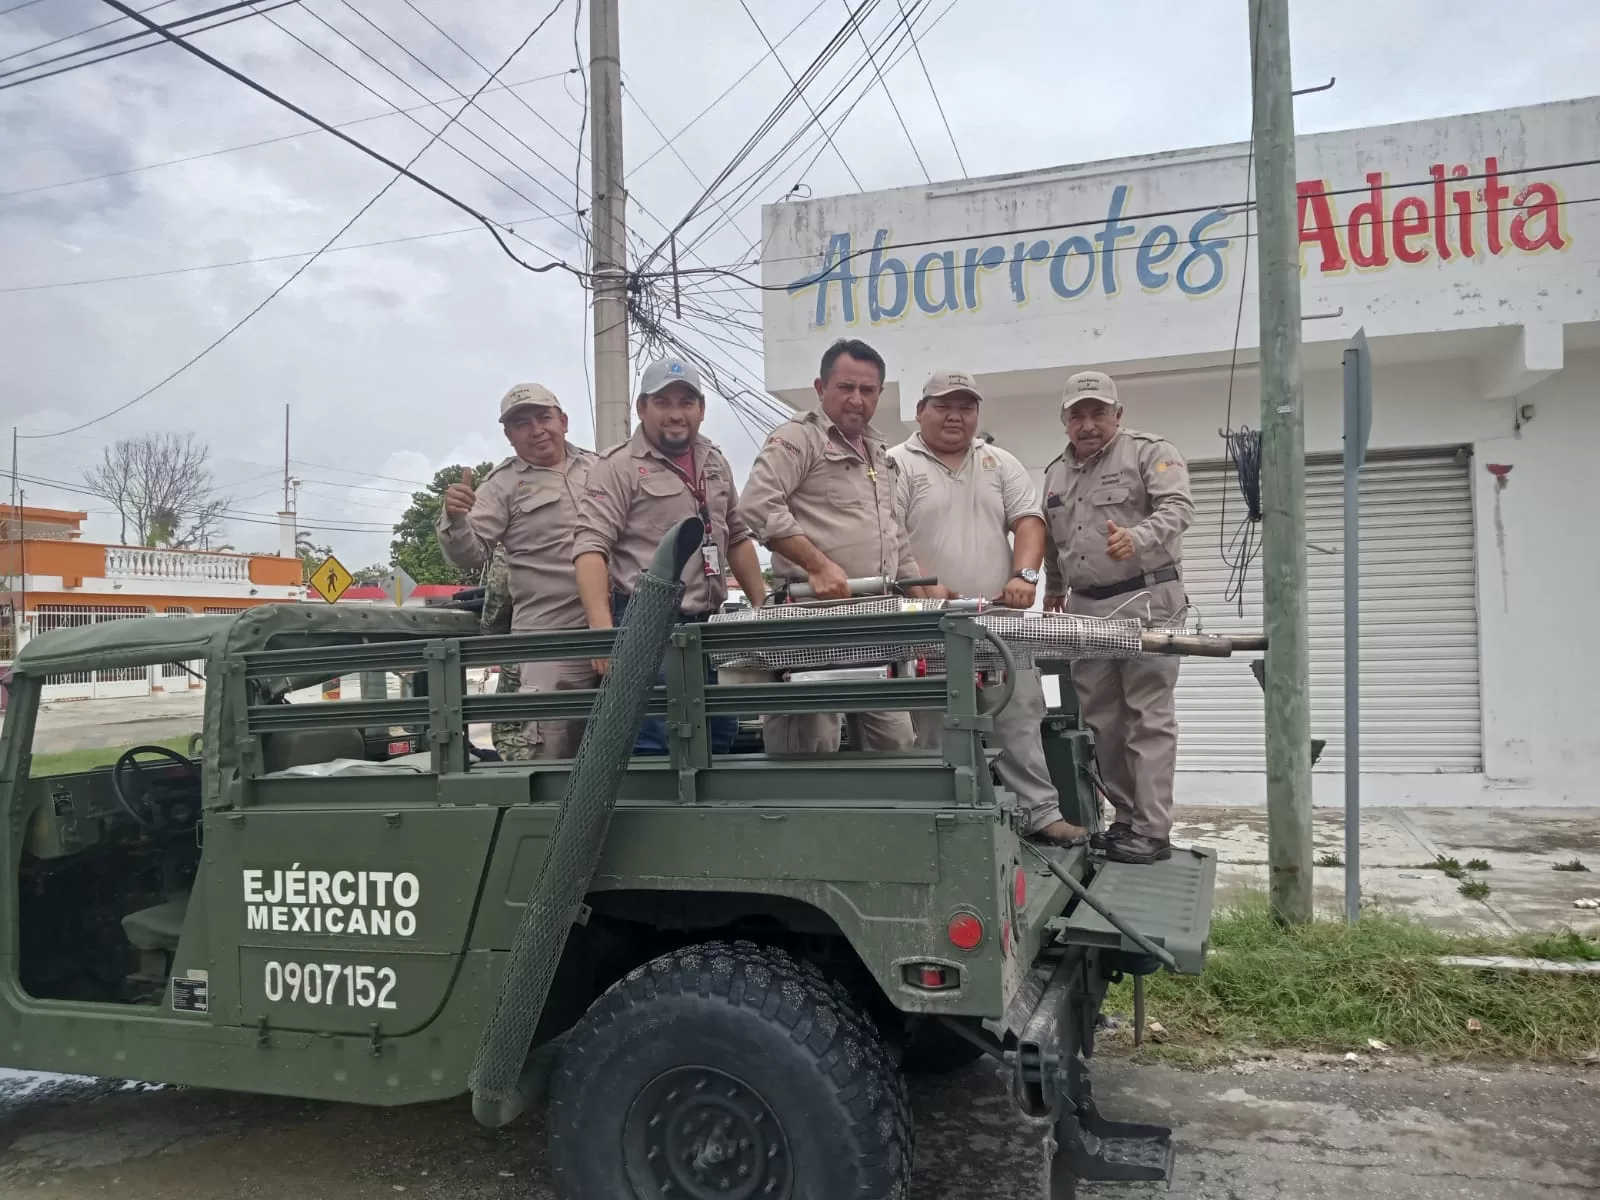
(1283, 482)
(607, 227)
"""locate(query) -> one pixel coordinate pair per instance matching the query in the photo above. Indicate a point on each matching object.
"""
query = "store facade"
(1467, 248)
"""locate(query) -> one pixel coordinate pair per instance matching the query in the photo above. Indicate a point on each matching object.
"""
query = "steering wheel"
(131, 804)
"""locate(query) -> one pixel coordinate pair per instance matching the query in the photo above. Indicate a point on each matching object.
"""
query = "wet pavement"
(1249, 1132)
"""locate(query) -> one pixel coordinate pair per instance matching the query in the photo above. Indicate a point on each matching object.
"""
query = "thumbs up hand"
(459, 497)
(1119, 542)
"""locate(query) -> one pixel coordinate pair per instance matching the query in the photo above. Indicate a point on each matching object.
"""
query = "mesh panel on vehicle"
(1046, 635)
(577, 837)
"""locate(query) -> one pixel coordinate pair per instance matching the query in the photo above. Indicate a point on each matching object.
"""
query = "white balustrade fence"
(142, 562)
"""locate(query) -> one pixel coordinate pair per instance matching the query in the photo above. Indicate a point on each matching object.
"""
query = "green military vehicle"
(712, 969)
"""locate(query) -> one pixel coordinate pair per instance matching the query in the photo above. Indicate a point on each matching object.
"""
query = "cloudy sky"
(392, 357)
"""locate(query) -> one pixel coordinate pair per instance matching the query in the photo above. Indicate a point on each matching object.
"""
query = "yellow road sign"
(330, 580)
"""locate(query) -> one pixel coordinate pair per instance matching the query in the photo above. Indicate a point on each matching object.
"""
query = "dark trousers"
(653, 733)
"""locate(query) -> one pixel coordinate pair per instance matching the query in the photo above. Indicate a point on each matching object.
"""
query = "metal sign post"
(1357, 427)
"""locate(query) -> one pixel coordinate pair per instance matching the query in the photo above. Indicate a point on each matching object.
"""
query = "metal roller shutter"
(1419, 619)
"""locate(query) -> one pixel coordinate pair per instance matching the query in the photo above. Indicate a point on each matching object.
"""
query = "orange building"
(50, 578)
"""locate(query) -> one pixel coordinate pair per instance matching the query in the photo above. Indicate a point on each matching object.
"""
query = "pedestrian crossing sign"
(330, 580)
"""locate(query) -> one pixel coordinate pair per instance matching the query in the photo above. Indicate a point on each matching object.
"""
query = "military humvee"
(713, 968)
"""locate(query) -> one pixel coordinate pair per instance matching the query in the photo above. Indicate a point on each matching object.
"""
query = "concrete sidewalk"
(1522, 847)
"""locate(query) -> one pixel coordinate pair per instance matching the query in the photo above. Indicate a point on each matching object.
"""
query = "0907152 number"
(330, 984)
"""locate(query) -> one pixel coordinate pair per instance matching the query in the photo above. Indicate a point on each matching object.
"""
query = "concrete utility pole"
(607, 226)
(1283, 457)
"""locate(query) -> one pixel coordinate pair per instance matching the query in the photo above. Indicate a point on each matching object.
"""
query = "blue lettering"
(835, 268)
(1058, 267)
(919, 282)
(879, 266)
(1020, 258)
(990, 260)
(1150, 255)
(1209, 249)
(1115, 228)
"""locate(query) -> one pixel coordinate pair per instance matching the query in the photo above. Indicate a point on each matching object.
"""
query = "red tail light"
(965, 930)
(922, 668)
(1020, 889)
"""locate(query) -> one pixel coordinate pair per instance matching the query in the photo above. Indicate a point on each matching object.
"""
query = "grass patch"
(1333, 987)
(1478, 864)
(1563, 947)
(69, 762)
(1450, 866)
(1330, 860)
(1474, 889)
(1575, 865)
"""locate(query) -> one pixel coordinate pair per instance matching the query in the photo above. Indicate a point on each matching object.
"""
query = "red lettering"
(1493, 193)
(1369, 213)
(1314, 200)
(1544, 204)
(1440, 230)
(1410, 219)
(1463, 199)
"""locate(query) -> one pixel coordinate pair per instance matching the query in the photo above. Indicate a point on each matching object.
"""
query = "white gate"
(173, 676)
(90, 685)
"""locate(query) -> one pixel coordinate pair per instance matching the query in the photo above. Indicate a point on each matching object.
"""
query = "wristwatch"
(1027, 575)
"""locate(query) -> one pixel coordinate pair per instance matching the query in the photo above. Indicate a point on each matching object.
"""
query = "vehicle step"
(1124, 1159)
(1168, 902)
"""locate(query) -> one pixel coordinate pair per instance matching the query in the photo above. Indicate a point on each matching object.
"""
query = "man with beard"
(821, 497)
(665, 473)
(973, 518)
(1116, 503)
(529, 504)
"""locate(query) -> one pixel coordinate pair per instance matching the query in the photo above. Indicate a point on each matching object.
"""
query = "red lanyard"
(697, 489)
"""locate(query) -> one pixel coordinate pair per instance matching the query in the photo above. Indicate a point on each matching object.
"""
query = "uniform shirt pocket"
(839, 483)
(538, 512)
(663, 502)
(1111, 496)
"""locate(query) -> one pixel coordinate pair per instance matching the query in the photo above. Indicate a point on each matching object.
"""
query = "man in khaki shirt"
(962, 502)
(1116, 503)
(821, 497)
(637, 491)
(529, 504)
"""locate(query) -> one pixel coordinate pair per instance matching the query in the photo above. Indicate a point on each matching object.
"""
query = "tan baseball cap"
(1089, 385)
(528, 395)
(945, 383)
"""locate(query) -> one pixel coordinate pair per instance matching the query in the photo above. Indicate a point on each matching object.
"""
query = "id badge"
(713, 559)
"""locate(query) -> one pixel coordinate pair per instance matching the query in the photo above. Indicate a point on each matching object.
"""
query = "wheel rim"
(699, 1134)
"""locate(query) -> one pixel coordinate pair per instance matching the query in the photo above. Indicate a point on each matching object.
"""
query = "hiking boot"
(1103, 839)
(1138, 849)
(1060, 833)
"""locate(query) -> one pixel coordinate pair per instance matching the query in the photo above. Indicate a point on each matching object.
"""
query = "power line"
(265, 258)
(403, 171)
(138, 36)
(773, 51)
(521, 195)
(287, 137)
(400, 172)
(884, 83)
(67, 37)
(6, 12)
(131, 49)
(928, 75)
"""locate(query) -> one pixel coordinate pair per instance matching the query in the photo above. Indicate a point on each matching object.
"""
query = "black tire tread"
(818, 1015)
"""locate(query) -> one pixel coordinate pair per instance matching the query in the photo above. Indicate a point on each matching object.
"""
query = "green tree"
(372, 574)
(416, 545)
(311, 554)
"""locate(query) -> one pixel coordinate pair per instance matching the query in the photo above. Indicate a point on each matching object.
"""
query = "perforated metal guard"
(577, 836)
(1030, 635)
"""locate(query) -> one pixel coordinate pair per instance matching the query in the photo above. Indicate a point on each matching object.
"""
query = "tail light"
(1019, 889)
(921, 670)
(965, 931)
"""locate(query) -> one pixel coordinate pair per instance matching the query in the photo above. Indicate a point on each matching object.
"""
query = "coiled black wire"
(1244, 451)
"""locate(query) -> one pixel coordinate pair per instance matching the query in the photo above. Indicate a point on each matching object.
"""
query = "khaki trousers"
(1128, 703)
(556, 739)
(1020, 764)
(818, 733)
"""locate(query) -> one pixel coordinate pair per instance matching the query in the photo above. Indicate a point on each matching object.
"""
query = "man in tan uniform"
(962, 502)
(1116, 503)
(637, 491)
(821, 497)
(529, 504)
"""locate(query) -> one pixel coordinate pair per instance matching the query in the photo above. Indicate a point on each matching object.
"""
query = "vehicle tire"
(727, 1070)
(936, 1049)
